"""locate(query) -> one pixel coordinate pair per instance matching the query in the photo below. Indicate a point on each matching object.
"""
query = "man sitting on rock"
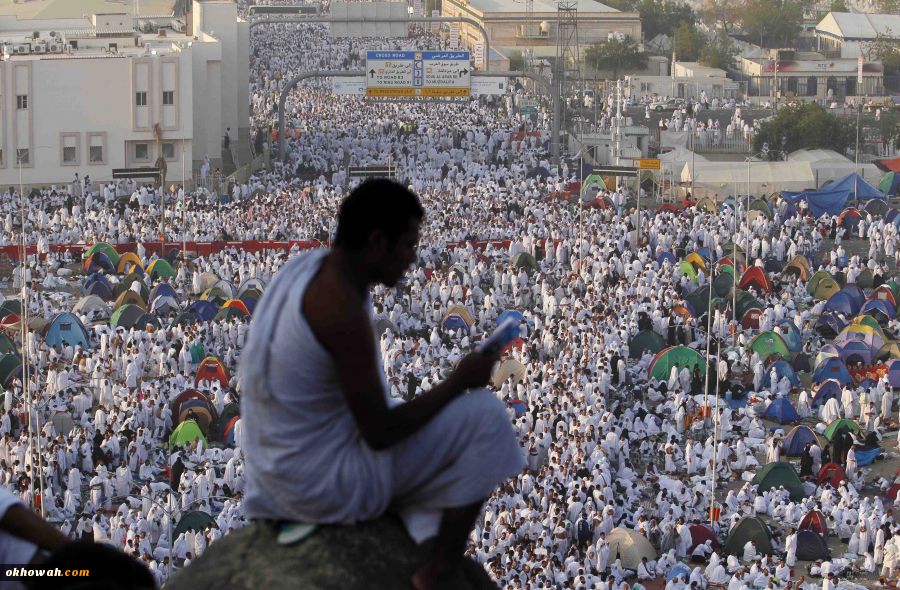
(323, 441)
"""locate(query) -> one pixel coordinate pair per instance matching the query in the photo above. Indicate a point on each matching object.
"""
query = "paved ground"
(27, 9)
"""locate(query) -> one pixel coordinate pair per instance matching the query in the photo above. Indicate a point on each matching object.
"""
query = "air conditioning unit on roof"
(22, 49)
(40, 48)
(55, 47)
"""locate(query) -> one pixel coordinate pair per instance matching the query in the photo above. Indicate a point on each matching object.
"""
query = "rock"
(376, 555)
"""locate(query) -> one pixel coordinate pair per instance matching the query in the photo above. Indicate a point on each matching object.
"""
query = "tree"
(516, 61)
(888, 6)
(774, 23)
(889, 129)
(687, 42)
(616, 55)
(886, 49)
(719, 52)
(724, 13)
(806, 126)
(838, 6)
(663, 16)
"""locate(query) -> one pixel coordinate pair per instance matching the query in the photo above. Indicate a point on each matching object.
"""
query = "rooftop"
(49, 9)
(540, 6)
(858, 25)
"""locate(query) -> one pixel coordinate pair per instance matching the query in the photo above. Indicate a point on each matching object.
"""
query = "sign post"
(436, 74)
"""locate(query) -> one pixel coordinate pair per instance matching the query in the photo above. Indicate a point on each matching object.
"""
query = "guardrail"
(242, 174)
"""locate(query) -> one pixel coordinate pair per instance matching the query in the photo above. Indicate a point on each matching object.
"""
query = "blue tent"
(791, 335)
(828, 389)
(892, 216)
(663, 257)
(789, 211)
(782, 369)
(833, 368)
(205, 310)
(842, 302)
(821, 202)
(894, 372)
(876, 307)
(855, 293)
(829, 324)
(100, 289)
(853, 182)
(454, 322)
(797, 439)
(163, 289)
(782, 411)
(66, 327)
(679, 570)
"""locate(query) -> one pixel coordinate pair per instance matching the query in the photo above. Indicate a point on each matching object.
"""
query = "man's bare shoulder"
(331, 306)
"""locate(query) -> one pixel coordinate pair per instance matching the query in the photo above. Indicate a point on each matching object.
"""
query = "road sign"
(528, 106)
(355, 86)
(645, 164)
(492, 85)
(616, 170)
(479, 54)
(859, 72)
(418, 73)
(135, 172)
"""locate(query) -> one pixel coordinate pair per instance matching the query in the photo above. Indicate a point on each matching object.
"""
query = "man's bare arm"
(342, 326)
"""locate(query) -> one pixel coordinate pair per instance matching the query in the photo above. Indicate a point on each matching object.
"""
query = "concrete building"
(809, 75)
(689, 81)
(110, 91)
(846, 34)
(510, 30)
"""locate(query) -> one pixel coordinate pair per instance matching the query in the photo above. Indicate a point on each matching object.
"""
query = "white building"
(108, 91)
(690, 80)
(846, 34)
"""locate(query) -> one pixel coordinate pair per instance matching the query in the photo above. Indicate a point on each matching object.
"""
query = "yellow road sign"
(648, 164)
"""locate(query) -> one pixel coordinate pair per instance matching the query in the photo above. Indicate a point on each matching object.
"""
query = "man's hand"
(474, 370)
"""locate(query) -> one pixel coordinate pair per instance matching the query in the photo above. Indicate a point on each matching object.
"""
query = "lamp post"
(764, 154)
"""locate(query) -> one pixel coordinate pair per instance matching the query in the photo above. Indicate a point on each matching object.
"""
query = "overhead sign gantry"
(435, 74)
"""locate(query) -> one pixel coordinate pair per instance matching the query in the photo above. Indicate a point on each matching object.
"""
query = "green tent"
(8, 364)
(524, 260)
(11, 306)
(663, 362)
(825, 288)
(687, 269)
(197, 353)
(129, 280)
(814, 280)
(892, 285)
(888, 183)
(106, 249)
(761, 206)
(195, 519)
(126, 316)
(595, 180)
(160, 268)
(645, 340)
(6, 344)
(750, 528)
(839, 426)
(768, 344)
(187, 318)
(744, 301)
(186, 432)
(226, 313)
(778, 474)
(867, 320)
(724, 283)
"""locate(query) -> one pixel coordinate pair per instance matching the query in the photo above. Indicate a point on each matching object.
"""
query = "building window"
(23, 157)
(22, 101)
(70, 148)
(168, 97)
(69, 155)
(140, 99)
(96, 148)
(1, 158)
(168, 151)
(141, 151)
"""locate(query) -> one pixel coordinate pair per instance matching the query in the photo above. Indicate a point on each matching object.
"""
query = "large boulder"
(376, 555)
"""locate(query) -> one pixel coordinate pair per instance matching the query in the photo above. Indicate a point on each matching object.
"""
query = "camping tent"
(756, 277)
(768, 344)
(832, 368)
(160, 269)
(106, 249)
(126, 316)
(700, 534)
(212, 369)
(196, 520)
(782, 411)
(186, 433)
(662, 363)
(508, 368)
(765, 177)
(832, 473)
(645, 340)
(779, 474)
(811, 545)
(855, 185)
(630, 546)
(750, 528)
(66, 327)
(815, 521)
(890, 183)
(840, 425)
(797, 439)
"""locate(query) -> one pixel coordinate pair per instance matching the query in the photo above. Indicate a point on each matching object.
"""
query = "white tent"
(676, 159)
(729, 178)
(827, 165)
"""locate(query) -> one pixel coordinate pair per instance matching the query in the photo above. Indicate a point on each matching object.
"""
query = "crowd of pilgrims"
(605, 447)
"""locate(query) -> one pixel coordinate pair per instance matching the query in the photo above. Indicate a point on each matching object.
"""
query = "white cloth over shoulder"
(306, 460)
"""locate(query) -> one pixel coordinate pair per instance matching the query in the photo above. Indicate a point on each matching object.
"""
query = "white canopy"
(728, 178)
(828, 165)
